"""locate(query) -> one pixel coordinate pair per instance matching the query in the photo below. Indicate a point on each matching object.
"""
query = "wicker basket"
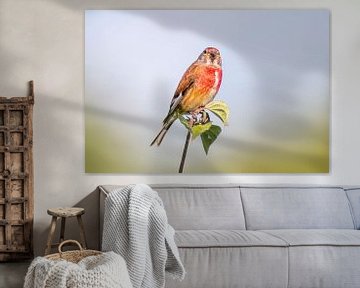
(72, 256)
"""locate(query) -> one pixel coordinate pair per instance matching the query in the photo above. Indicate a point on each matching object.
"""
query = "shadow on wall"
(56, 171)
(91, 220)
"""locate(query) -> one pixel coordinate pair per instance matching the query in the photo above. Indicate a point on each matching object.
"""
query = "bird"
(197, 87)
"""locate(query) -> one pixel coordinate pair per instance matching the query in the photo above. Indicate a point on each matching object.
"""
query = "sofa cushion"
(324, 266)
(327, 258)
(220, 267)
(202, 207)
(191, 207)
(226, 238)
(315, 237)
(296, 208)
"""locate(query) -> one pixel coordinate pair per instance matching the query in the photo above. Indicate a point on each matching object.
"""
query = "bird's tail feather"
(167, 124)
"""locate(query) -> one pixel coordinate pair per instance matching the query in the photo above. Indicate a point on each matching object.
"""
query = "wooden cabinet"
(16, 177)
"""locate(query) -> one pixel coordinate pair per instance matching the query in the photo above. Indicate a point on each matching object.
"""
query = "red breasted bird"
(198, 87)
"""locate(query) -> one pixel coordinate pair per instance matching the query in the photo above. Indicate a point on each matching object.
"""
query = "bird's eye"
(204, 52)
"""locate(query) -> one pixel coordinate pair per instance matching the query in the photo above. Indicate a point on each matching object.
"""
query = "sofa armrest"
(103, 195)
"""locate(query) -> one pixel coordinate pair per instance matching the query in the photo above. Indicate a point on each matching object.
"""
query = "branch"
(186, 146)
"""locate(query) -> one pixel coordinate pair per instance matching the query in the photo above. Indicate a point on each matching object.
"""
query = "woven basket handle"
(69, 241)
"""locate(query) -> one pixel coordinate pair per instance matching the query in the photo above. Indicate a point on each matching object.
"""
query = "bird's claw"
(204, 117)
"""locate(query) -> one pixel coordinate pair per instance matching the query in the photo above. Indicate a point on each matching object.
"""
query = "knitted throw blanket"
(136, 227)
(102, 271)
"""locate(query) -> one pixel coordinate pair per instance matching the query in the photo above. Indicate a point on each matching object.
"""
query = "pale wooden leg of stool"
(51, 235)
(82, 232)
(62, 231)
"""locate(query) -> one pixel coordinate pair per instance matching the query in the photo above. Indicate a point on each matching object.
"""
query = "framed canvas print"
(207, 91)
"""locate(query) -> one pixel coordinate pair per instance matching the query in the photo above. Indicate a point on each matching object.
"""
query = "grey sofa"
(243, 236)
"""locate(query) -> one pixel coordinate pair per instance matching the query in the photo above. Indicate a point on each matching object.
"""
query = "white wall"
(44, 40)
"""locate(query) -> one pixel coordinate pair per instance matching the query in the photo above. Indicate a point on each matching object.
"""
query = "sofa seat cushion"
(235, 267)
(317, 237)
(226, 238)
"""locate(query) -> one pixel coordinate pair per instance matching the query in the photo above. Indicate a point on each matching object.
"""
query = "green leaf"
(184, 121)
(209, 137)
(220, 109)
(199, 129)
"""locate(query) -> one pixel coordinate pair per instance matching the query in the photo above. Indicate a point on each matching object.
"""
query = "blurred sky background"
(275, 82)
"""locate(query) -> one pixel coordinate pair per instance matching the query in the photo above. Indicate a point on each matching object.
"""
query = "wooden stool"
(64, 213)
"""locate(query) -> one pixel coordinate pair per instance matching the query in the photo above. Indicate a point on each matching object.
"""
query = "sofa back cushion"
(296, 208)
(202, 207)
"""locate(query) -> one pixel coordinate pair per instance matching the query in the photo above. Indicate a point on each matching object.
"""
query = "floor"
(12, 274)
